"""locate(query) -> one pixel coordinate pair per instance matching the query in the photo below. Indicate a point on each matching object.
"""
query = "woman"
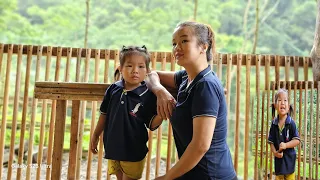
(199, 116)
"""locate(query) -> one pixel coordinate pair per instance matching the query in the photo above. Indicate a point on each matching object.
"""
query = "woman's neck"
(194, 69)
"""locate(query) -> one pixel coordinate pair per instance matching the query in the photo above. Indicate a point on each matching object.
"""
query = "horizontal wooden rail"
(167, 55)
(302, 84)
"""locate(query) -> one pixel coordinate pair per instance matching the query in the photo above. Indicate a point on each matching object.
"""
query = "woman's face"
(185, 47)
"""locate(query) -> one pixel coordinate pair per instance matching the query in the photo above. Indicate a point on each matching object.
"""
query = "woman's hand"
(165, 103)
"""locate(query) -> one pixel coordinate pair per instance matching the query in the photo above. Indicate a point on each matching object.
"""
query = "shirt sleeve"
(271, 137)
(149, 110)
(206, 100)
(295, 134)
(178, 77)
(106, 99)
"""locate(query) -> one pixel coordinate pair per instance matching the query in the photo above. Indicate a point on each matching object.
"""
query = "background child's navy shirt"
(128, 113)
(203, 97)
(286, 164)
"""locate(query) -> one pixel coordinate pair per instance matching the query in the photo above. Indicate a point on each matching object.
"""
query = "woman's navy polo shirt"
(286, 164)
(203, 97)
(128, 113)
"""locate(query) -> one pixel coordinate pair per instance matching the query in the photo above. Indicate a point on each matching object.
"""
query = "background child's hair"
(276, 96)
(134, 50)
(117, 75)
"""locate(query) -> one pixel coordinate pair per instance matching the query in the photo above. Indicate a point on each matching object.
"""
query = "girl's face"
(133, 71)
(185, 47)
(282, 104)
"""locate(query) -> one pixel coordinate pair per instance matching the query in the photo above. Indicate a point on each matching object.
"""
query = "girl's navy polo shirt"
(128, 113)
(286, 164)
(203, 97)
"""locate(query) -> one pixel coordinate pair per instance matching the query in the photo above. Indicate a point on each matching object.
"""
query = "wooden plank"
(58, 139)
(219, 66)
(73, 91)
(71, 85)
(43, 119)
(277, 68)
(258, 115)
(33, 116)
(106, 66)
(1, 55)
(73, 140)
(238, 92)
(15, 111)
(303, 84)
(116, 59)
(78, 65)
(271, 154)
(67, 72)
(247, 121)
(168, 58)
(262, 129)
(305, 68)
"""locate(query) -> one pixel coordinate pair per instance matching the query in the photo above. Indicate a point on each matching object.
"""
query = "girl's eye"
(141, 66)
(184, 41)
(174, 44)
(129, 65)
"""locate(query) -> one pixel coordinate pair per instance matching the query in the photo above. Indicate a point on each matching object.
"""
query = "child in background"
(128, 107)
(283, 137)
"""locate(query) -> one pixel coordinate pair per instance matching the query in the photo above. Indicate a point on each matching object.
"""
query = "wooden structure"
(244, 76)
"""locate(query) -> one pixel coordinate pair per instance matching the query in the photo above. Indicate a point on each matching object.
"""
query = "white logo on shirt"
(135, 110)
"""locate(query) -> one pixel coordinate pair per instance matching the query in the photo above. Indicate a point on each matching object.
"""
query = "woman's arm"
(203, 128)
(156, 82)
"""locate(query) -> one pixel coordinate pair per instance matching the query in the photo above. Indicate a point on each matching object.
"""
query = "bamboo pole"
(5, 107)
(238, 91)
(317, 130)
(267, 80)
(247, 127)
(93, 117)
(159, 135)
(287, 68)
(1, 55)
(228, 80)
(43, 120)
(277, 70)
(33, 117)
(53, 112)
(305, 131)
(300, 127)
(149, 155)
(258, 115)
(15, 112)
(24, 111)
(305, 68)
(262, 129)
(172, 68)
(106, 77)
(219, 66)
(296, 68)
(271, 154)
(311, 133)
(83, 116)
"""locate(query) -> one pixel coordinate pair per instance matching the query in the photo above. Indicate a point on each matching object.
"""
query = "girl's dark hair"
(117, 75)
(204, 34)
(276, 96)
(134, 50)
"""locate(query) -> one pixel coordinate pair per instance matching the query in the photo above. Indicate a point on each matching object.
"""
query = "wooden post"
(58, 139)
(258, 115)
(247, 121)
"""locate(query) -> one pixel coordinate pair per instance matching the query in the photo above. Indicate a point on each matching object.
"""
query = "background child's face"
(282, 105)
(133, 71)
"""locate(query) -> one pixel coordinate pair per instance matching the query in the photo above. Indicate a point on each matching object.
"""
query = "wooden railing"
(244, 76)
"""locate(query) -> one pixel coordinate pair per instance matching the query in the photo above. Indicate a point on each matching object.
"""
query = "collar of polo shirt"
(140, 90)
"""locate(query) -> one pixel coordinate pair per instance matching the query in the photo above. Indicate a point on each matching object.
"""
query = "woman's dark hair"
(276, 96)
(134, 50)
(204, 34)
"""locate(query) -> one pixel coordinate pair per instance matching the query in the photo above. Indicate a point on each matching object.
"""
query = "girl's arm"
(165, 101)
(275, 152)
(95, 137)
(291, 144)
(203, 128)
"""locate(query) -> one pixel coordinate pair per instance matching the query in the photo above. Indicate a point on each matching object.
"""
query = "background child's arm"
(275, 152)
(291, 144)
(95, 137)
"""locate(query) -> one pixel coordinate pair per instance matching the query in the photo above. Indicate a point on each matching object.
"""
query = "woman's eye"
(184, 41)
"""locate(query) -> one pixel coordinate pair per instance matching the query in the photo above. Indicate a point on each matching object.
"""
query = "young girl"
(199, 118)
(283, 137)
(127, 108)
